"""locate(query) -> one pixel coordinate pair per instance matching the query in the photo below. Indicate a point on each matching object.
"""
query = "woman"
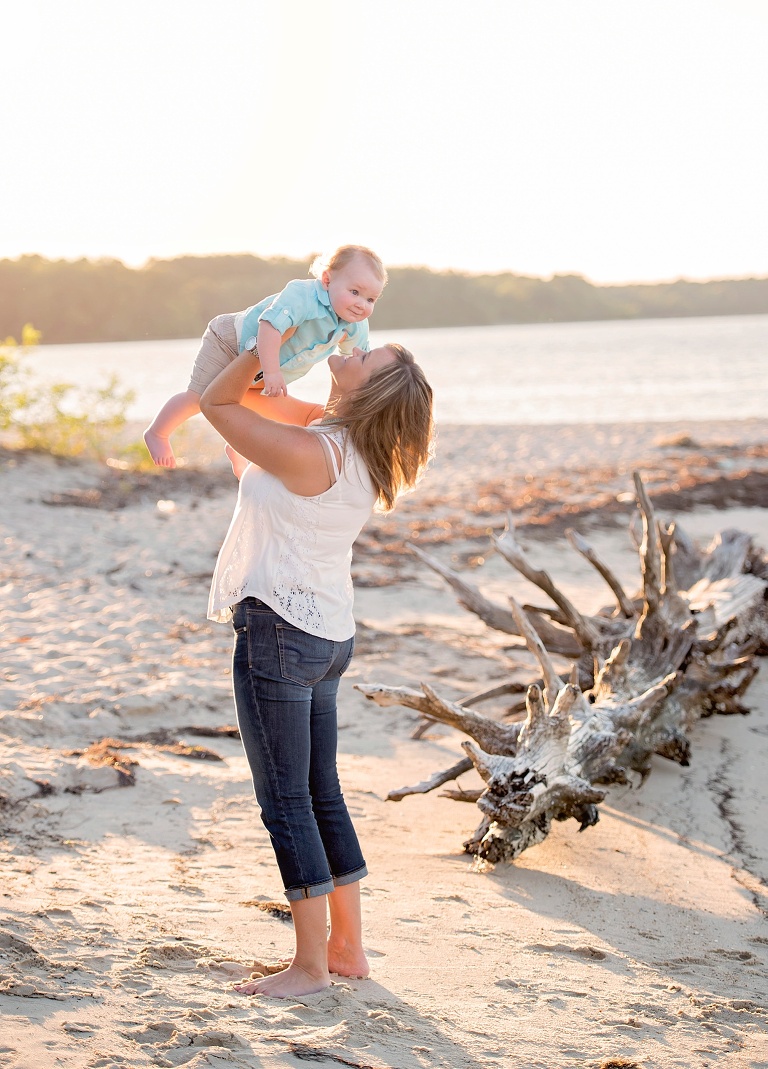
(283, 577)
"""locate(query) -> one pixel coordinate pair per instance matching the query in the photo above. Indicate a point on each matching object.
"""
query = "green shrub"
(13, 377)
(83, 424)
(57, 418)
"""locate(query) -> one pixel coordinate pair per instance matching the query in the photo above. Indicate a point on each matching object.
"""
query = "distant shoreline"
(81, 301)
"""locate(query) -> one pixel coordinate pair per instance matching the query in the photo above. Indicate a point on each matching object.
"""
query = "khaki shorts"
(218, 349)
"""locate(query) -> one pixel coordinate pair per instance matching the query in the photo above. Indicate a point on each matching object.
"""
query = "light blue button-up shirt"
(304, 304)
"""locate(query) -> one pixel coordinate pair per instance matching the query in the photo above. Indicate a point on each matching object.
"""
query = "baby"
(288, 333)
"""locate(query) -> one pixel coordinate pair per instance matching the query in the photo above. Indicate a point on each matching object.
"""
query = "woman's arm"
(294, 454)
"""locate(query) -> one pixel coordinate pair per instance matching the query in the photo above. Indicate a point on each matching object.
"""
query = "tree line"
(105, 300)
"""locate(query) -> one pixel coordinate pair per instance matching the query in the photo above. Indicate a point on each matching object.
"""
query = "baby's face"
(353, 289)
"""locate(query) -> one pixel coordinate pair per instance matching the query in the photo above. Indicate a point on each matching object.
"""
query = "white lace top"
(292, 552)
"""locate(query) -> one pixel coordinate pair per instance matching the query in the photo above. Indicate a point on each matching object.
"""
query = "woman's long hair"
(389, 423)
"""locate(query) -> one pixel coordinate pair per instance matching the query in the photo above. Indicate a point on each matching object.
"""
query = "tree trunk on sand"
(645, 671)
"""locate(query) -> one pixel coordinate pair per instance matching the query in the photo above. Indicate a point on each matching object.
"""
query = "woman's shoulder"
(335, 441)
(337, 434)
(352, 466)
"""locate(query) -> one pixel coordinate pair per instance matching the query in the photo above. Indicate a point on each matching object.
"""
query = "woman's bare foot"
(290, 983)
(159, 449)
(239, 464)
(346, 960)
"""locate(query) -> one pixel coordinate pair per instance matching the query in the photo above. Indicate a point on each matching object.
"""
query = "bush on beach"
(57, 418)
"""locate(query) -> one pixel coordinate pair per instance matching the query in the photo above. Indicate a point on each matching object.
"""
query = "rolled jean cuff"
(350, 877)
(294, 894)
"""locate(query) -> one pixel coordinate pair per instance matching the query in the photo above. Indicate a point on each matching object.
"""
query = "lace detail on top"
(293, 592)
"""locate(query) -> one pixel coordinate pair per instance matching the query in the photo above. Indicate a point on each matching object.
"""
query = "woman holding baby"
(283, 578)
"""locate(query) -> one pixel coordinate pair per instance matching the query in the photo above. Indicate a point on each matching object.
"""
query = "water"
(621, 371)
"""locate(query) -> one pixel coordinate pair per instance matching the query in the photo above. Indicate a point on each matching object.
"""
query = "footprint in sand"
(78, 1028)
(153, 1033)
(687, 960)
(590, 953)
(29, 974)
(380, 1020)
(241, 971)
(171, 955)
(228, 968)
(55, 911)
(15, 948)
(181, 1043)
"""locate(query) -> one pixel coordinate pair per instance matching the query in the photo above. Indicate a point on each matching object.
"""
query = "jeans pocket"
(304, 658)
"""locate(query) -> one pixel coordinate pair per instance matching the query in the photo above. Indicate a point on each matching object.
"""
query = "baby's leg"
(218, 349)
(174, 412)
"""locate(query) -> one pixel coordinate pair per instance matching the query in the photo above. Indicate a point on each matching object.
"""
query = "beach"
(138, 881)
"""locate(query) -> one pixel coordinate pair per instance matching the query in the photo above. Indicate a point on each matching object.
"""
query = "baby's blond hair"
(344, 255)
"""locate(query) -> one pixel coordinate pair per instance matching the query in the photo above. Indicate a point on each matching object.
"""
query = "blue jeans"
(285, 683)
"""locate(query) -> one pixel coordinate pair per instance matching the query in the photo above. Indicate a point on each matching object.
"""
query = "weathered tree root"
(647, 670)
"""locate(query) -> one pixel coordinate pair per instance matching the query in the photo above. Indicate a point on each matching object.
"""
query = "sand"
(131, 891)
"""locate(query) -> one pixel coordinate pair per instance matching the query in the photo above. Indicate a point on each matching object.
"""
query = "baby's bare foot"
(345, 960)
(290, 983)
(160, 449)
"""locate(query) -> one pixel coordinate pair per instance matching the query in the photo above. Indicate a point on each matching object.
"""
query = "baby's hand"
(274, 385)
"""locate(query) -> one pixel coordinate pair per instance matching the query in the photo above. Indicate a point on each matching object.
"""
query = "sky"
(620, 140)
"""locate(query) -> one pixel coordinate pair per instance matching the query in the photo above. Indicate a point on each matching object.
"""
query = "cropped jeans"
(285, 683)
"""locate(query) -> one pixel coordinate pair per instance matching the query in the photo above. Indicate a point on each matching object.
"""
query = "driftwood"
(646, 669)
